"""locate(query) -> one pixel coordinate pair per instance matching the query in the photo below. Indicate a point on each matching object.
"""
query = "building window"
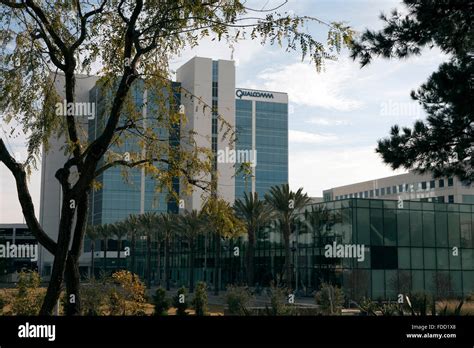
(366, 194)
(432, 184)
(384, 257)
(450, 199)
(389, 191)
(441, 183)
(440, 199)
(337, 197)
(450, 181)
(394, 189)
(382, 191)
(377, 192)
(400, 188)
(371, 193)
(423, 185)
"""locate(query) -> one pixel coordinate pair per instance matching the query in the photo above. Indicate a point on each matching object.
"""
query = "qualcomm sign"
(255, 94)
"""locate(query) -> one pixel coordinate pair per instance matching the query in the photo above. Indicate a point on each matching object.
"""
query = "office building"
(205, 91)
(418, 247)
(409, 186)
(20, 236)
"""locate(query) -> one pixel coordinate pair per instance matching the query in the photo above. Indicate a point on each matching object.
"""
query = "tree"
(191, 226)
(148, 223)
(441, 145)
(285, 204)
(92, 233)
(318, 218)
(132, 224)
(255, 214)
(105, 232)
(120, 230)
(167, 223)
(132, 42)
(223, 223)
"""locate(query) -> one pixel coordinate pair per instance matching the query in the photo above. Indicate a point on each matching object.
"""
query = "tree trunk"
(119, 246)
(132, 251)
(158, 262)
(167, 262)
(191, 265)
(59, 264)
(288, 272)
(250, 258)
(148, 261)
(217, 265)
(105, 257)
(72, 278)
(92, 259)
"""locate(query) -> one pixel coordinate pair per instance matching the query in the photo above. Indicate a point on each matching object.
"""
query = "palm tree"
(190, 226)
(120, 231)
(167, 222)
(223, 222)
(105, 231)
(132, 223)
(285, 205)
(147, 223)
(254, 213)
(92, 232)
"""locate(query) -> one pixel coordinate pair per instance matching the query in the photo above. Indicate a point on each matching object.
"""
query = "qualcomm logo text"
(256, 94)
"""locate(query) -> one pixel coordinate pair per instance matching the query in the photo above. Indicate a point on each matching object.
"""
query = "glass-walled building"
(261, 126)
(408, 247)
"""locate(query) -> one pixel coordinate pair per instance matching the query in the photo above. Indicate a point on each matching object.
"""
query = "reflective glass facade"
(421, 246)
(120, 196)
(271, 135)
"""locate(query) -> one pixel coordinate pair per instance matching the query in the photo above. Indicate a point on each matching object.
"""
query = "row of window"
(391, 190)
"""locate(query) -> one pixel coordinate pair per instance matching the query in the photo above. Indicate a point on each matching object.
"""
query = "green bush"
(419, 303)
(180, 301)
(330, 299)
(29, 296)
(161, 302)
(238, 300)
(3, 301)
(278, 302)
(93, 298)
(200, 299)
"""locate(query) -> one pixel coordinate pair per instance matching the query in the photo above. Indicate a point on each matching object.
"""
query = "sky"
(336, 116)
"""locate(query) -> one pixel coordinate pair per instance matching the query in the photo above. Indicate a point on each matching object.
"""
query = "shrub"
(180, 301)
(238, 300)
(278, 302)
(132, 290)
(330, 298)
(419, 303)
(29, 297)
(116, 303)
(4, 300)
(161, 302)
(93, 298)
(200, 299)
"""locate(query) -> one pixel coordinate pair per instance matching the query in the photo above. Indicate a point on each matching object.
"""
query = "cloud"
(322, 121)
(300, 137)
(327, 89)
(320, 169)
